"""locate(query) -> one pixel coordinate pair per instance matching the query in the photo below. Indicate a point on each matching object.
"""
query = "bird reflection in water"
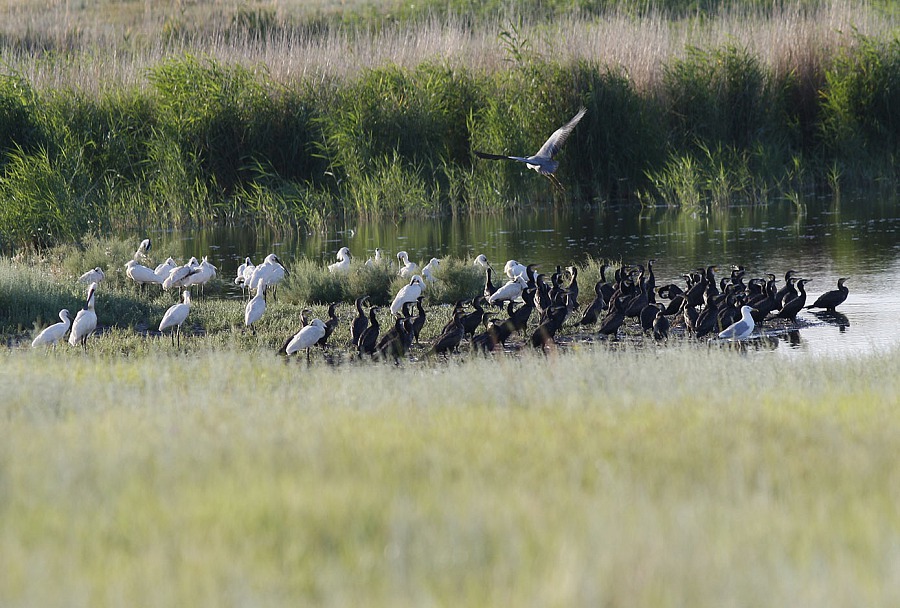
(835, 318)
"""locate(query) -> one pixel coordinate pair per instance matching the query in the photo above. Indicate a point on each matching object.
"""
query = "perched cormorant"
(831, 299)
(360, 322)
(790, 308)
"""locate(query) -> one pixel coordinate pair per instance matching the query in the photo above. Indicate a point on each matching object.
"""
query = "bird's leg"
(555, 181)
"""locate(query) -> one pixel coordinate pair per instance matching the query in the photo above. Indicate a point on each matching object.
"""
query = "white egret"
(306, 338)
(407, 268)
(85, 321)
(257, 305)
(94, 275)
(53, 334)
(542, 161)
(141, 274)
(430, 267)
(407, 293)
(343, 263)
(741, 329)
(175, 316)
(142, 250)
(511, 290)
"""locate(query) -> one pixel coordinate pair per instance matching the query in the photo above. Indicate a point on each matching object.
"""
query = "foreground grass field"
(683, 477)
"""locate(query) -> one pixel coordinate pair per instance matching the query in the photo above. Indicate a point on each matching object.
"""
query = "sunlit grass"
(679, 477)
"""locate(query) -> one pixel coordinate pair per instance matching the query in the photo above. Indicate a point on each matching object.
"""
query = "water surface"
(822, 242)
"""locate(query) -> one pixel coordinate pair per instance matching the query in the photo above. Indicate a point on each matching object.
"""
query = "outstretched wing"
(556, 141)
(494, 156)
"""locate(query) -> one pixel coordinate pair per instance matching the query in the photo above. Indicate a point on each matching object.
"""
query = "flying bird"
(542, 161)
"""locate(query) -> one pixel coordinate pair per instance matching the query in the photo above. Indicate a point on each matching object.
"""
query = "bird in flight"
(542, 161)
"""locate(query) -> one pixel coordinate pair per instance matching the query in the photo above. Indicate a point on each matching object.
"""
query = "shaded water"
(827, 240)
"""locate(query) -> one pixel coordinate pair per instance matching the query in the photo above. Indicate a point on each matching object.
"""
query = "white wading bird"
(306, 338)
(739, 330)
(205, 273)
(175, 316)
(407, 268)
(481, 260)
(53, 334)
(514, 269)
(92, 276)
(542, 161)
(141, 274)
(257, 304)
(271, 271)
(142, 250)
(343, 263)
(179, 274)
(430, 267)
(85, 321)
(510, 291)
(408, 293)
(379, 257)
(162, 271)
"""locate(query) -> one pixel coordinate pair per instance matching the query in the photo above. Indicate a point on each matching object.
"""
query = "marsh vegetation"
(229, 119)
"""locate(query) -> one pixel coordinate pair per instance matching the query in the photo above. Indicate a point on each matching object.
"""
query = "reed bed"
(684, 476)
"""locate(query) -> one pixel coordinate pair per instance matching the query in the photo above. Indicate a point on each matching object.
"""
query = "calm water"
(855, 238)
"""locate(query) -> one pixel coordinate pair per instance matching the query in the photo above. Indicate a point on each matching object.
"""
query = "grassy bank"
(704, 478)
(734, 106)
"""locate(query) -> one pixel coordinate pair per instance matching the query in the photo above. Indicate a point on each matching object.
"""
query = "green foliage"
(372, 280)
(310, 281)
(454, 280)
(860, 123)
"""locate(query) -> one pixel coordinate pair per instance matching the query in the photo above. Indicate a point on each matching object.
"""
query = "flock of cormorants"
(727, 309)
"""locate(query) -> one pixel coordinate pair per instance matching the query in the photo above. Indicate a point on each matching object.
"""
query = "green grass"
(234, 478)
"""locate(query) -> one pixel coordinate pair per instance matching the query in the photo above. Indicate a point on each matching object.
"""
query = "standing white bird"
(92, 276)
(408, 293)
(343, 263)
(162, 271)
(306, 338)
(407, 268)
(542, 161)
(431, 267)
(514, 269)
(142, 250)
(175, 316)
(481, 260)
(53, 334)
(257, 305)
(85, 321)
(205, 273)
(511, 290)
(378, 259)
(271, 271)
(179, 274)
(741, 329)
(141, 274)
(244, 272)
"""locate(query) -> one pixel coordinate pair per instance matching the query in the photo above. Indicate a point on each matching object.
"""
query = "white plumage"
(162, 271)
(307, 337)
(54, 333)
(408, 293)
(430, 267)
(343, 263)
(407, 268)
(142, 250)
(270, 271)
(481, 260)
(179, 274)
(205, 272)
(739, 330)
(512, 269)
(91, 276)
(257, 305)
(511, 290)
(176, 315)
(141, 274)
(85, 321)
